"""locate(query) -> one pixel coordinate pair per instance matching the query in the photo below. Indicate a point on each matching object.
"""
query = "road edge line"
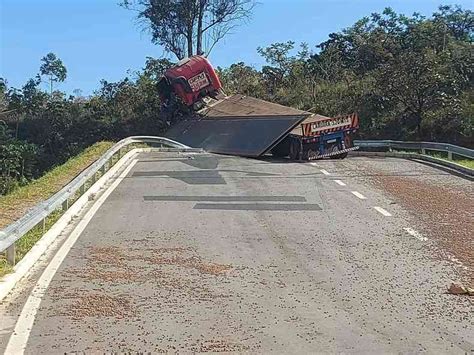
(19, 338)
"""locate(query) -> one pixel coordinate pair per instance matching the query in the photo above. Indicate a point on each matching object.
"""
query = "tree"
(188, 27)
(54, 68)
(17, 160)
(242, 79)
(154, 68)
(3, 91)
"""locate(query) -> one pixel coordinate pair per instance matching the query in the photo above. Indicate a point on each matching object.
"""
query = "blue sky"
(97, 39)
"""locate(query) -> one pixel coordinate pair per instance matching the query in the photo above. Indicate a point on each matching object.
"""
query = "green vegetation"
(409, 78)
(468, 163)
(54, 68)
(15, 204)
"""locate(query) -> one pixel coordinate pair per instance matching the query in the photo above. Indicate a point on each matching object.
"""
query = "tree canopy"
(189, 27)
(54, 68)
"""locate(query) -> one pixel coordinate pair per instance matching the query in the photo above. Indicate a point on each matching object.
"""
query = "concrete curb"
(22, 268)
(435, 162)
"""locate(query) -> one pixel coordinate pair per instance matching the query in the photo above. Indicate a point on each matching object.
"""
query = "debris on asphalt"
(99, 305)
(442, 203)
(457, 288)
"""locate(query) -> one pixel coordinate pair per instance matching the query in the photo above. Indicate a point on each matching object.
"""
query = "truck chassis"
(321, 140)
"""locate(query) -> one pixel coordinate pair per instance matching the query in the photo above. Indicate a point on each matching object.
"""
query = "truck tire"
(347, 144)
(294, 149)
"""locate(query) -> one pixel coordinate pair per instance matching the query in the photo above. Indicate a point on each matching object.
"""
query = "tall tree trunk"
(189, 38)
(202, 4)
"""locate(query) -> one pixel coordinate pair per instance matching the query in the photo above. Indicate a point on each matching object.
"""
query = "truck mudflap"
(327, 155)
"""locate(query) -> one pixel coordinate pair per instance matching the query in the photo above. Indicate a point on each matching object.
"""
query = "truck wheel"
(341, 156)
(348, 141)
(294, 150)
(333, 149)
(312, 154)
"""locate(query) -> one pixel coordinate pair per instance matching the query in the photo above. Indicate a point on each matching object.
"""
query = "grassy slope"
(14, 205)
(468, 163)
(465, 162)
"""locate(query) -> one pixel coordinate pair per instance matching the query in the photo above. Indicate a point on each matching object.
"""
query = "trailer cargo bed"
(238, 125)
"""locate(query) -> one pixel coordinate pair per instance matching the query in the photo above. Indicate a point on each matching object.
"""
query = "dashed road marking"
(314, 164)
(382, 211)
(325, 172)
(339, 182)
(415, 234)
(359, 195)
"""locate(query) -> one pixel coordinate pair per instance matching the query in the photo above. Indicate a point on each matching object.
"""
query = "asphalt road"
(200, 252)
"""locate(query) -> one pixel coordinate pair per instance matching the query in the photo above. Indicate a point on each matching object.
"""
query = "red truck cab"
(190, 80)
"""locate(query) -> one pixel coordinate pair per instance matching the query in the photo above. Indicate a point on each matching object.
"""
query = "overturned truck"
(204, 117)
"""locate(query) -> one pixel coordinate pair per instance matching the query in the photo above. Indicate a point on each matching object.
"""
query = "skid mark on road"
(258, 206)
(174, 198)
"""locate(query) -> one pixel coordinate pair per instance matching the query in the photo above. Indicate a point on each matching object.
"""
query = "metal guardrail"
(38, 214)
(450, 149)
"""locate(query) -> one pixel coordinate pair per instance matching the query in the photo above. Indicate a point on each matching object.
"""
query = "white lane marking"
(359, 195)
(339, 182)
(313, 164)
(325, 172)
(19, 338)
(415, 234)
(382, 211)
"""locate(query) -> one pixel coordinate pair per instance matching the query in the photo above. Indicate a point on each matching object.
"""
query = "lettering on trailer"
(198, 82)
(330, 125)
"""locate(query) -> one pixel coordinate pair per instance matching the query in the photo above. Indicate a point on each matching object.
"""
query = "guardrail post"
(450, 155)
(119, 153)
(11, 254)
(423, 151)
(44, 224)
